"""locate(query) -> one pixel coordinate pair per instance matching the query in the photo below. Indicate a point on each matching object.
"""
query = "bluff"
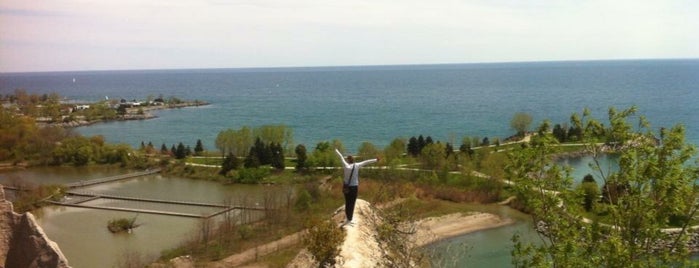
(22, 241)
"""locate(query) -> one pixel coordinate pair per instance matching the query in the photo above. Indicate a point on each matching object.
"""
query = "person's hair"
(350, 159)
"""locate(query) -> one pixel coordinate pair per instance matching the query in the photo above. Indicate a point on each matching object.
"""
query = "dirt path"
(253, 254)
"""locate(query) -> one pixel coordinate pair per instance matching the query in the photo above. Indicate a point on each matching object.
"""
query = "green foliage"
(240, 141)
(590, 192)
(520, 122)
(301, 157)
(433, 156)
(31, 197)
(653, 187)
(324, 156)
(180, 152)
(199, 148)
(303, 201)
(252, 175)
(230, 162)
(367, 150)
(323, 241)
(237, 142)
(122, 224)
(394, 152)
(80, 151)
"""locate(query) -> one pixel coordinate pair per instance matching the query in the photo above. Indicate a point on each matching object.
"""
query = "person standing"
(350, 187)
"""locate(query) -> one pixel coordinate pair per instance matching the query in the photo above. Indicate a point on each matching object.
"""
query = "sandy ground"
(360, 248)
(431, 230)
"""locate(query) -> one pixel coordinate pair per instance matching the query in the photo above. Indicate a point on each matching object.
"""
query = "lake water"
(380, 103)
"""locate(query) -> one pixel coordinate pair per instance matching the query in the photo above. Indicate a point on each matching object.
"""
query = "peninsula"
(52, 109)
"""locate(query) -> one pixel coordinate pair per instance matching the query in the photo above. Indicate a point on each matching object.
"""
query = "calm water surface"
(82, 233)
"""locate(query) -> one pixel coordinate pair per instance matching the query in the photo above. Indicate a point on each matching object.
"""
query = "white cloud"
(73, 34)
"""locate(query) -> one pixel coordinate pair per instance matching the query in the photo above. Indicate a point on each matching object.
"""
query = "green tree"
(520, 122)
(199, 148)
(466, 145)
(394, 151)
(413, 146)
(367, 150)
(590, 191)
(324, 156)
(300, 157)
(230, 162)
(181, 151)
(659, 187)
(233, 141)
(433, 156)
(277, 152)
(575, 133)
(303, 201)
(280, 134)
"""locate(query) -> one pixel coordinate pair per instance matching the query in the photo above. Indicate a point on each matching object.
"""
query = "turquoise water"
(377, 104)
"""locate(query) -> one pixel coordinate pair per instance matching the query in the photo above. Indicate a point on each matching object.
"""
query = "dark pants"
(350, 199)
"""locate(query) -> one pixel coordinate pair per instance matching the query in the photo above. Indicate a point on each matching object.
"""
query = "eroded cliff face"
(22, 241)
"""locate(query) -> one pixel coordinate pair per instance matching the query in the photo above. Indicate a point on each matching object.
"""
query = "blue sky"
(63, 35)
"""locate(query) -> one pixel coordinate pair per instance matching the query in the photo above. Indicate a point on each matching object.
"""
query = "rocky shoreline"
(140, 113)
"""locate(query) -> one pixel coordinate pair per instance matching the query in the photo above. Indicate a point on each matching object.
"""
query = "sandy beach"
(434, 229)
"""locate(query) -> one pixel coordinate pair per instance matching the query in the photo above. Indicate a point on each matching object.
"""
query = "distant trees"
(21, 140)
(265, 154)
(81, 151)
(415, 145)
(240, 141)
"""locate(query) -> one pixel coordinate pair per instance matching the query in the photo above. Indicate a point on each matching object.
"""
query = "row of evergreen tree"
(260, 154)
(179, 152)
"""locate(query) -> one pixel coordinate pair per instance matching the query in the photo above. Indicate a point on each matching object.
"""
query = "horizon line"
(344, 66)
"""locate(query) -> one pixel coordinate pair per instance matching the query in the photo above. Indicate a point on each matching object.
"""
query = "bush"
(323, 241)
(303, 202)
(252, 175)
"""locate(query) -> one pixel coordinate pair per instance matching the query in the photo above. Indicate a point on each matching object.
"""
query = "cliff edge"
(22, 241)
(360, 247)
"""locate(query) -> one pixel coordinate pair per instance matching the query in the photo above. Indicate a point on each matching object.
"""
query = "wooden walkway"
(78, 199)
(85, 183)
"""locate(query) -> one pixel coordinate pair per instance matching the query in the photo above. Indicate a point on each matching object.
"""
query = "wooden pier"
(78, 199)
(74, 197)
(85, 183)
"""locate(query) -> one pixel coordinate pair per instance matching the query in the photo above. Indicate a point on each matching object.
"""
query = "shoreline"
(130, 115)
(437, 229)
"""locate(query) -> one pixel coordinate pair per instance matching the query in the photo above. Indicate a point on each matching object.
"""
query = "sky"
(69, 35)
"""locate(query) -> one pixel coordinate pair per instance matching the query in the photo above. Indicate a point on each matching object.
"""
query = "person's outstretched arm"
(344, 163)
(366, 162)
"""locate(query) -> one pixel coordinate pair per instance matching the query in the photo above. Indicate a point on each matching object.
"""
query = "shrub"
(303, 202)
(252, 175)
(323, 241)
